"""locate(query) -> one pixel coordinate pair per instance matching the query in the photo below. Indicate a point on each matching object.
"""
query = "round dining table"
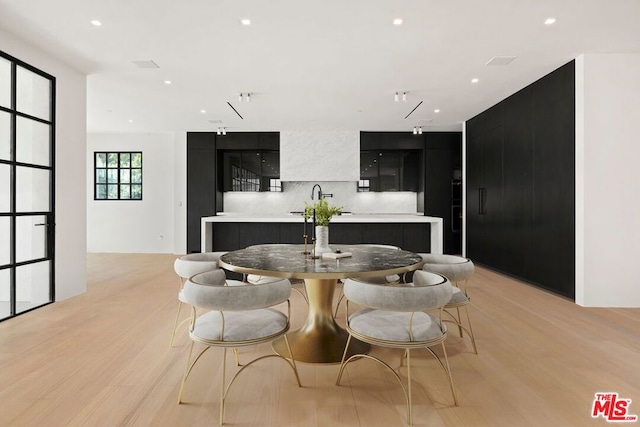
(320, 339)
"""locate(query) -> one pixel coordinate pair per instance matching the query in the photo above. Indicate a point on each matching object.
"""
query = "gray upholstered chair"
(382, 280)
(458, 270)
(396, 317)
(237, 316)
(185, 267)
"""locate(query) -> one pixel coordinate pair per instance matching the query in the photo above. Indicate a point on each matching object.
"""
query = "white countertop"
(347, 218)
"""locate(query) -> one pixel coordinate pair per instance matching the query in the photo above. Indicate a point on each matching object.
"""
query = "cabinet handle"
(482, 201)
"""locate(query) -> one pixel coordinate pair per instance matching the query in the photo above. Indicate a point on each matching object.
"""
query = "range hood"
(319, 155)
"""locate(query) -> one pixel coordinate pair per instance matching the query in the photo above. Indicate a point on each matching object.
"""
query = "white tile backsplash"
(296, 193)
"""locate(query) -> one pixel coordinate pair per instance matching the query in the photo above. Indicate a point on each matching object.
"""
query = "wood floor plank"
(103, 359)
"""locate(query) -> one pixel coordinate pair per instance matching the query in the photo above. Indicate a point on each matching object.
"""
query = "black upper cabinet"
(521, 185)
(248, 161)
(389, 170)
(390, 161)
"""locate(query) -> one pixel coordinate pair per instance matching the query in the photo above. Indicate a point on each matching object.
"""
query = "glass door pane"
(32, 286)
(32, 189)
(5, 83)
(31, 237)
(5, 293)
(33, 94)
(33, 140)
(5, 136)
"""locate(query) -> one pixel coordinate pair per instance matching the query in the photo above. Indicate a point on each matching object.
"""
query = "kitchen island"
(413, 232)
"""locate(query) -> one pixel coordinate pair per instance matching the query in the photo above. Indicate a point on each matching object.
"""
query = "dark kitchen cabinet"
(229, 236)
(201, 184)
(521, 184)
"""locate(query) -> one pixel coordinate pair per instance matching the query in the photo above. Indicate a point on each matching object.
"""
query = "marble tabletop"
(288, 261)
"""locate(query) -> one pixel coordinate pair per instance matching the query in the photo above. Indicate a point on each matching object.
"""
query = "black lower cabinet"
(228, 236)
(521, 184)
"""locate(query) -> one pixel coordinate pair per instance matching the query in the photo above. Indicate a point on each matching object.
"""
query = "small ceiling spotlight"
(415, 130)
(404, 96)
(219, 131)
(224, 131)
(240, 97)
(244, 97)
(420, 130)
(396, 98)
(248, 97)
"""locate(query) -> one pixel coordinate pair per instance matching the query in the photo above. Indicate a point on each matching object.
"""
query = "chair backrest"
(455, 268)
(207, 290)
(428, 290)
(188, 265)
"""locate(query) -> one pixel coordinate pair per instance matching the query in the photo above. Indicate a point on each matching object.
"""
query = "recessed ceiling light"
(436, 110)
(130, 121)
(203, 111)
(167, 82)
(474, 80)
(245, 21)
(96, 23)
(397, 21)
(549, 21)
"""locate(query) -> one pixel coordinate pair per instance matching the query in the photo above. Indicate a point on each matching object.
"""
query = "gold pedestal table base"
(320, 339)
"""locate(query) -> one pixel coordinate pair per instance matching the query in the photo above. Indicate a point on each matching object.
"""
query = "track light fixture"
(396, 98)
(415, 130)
(244, 97)
(219, 131)
(419, 130)
(224, 131)
(404, 96)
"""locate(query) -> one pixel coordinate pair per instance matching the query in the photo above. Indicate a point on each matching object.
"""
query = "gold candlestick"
(305, 252)
(313, 248)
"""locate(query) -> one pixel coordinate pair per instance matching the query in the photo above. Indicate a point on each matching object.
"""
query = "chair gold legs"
(224, 387)
(405, 388)
(175, 325)
(458, 321)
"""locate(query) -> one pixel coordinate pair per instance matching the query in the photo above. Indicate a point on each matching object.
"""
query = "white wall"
(145, 226)
(607, 180)
(70, 275)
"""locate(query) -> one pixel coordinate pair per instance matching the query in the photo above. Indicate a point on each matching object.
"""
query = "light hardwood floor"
(103, 359)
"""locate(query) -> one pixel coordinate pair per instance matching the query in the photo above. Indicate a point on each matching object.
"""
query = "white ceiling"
(322, 65)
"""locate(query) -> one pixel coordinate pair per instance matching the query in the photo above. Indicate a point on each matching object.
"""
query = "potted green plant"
(321, 213)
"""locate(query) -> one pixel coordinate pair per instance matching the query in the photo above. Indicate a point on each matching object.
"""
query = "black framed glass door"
(27, 172)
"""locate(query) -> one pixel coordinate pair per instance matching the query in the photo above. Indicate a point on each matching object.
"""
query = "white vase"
(322, 239)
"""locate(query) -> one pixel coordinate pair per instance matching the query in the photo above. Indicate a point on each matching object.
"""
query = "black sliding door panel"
(518, 181)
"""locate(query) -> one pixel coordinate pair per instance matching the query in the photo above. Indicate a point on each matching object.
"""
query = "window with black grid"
(118, 175)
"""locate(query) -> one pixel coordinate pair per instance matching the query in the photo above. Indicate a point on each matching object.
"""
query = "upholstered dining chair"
(458, 270)
(396, 317)
(382, 280)
(237, 316)
(185, 267)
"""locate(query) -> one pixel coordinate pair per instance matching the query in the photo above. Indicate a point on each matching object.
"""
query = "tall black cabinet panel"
(484, 198)
(201, 184)
(443, 155)
(521, 184)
